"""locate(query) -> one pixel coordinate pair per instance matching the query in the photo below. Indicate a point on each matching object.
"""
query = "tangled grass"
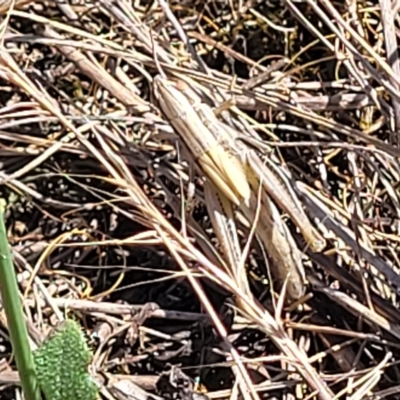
(106, 215)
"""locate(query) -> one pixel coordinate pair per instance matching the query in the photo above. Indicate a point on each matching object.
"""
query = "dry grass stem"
(211, 189)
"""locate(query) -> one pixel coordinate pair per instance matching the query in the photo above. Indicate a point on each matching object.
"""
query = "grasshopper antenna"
(182, 35)
(155, 58)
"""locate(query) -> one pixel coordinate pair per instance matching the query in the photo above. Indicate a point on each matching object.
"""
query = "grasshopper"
(222, 168)
(272, 178)
(234, 174)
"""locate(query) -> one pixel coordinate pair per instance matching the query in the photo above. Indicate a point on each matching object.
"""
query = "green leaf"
(62, 365)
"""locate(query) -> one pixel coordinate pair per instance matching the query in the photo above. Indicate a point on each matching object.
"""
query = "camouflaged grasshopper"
(237, 173)
(222, 167)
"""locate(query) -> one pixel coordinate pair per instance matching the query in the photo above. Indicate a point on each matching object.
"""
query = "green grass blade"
(15, 317)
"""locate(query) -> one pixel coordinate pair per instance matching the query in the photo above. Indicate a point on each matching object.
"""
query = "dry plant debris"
(112, 215)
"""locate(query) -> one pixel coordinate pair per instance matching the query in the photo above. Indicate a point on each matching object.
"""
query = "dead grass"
(107, 218)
